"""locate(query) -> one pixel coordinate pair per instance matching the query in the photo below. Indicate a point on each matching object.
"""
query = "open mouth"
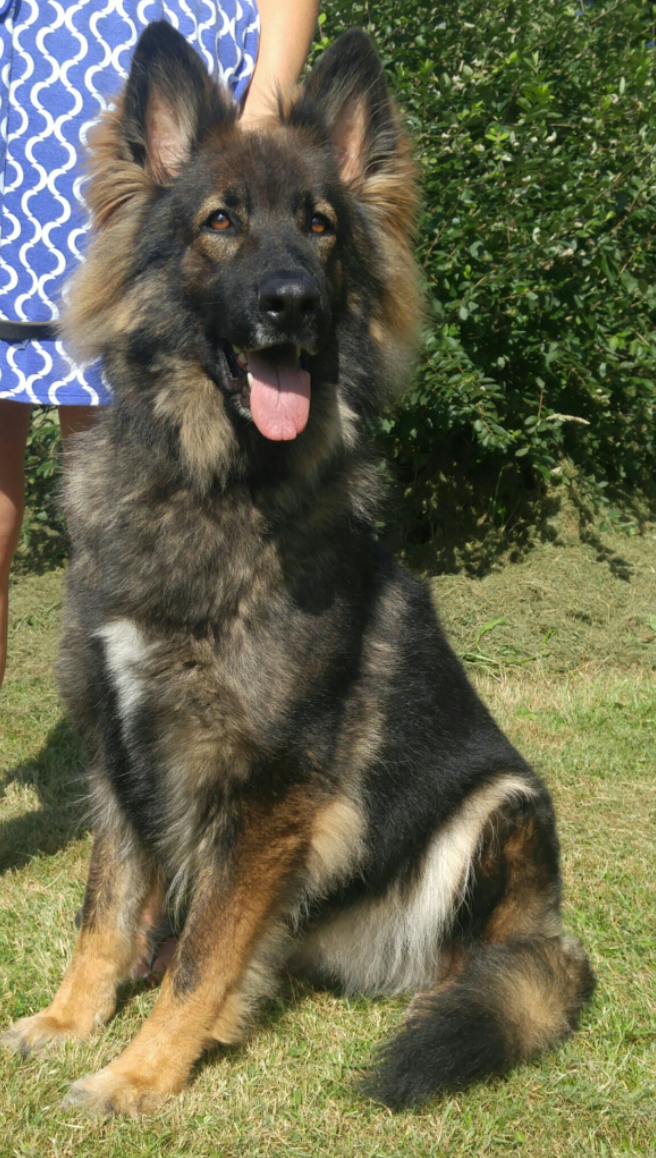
(273, 386)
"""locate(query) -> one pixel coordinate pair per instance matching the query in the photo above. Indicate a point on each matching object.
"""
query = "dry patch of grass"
(585, 714)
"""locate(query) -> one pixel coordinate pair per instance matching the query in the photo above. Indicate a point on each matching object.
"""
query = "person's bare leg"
(14, 427)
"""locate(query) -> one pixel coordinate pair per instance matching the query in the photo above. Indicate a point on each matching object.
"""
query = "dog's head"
(247, 288)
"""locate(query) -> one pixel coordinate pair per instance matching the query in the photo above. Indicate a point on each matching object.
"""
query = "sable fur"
(283, 748)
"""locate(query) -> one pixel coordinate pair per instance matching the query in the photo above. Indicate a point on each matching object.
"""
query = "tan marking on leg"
(529, 904)
(107, 948)
(231, 922)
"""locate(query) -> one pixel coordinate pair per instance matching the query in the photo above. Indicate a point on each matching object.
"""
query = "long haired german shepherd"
(283, 750)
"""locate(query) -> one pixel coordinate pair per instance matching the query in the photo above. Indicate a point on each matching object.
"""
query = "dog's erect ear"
(168, 98)
(346, 97)
(348, 90)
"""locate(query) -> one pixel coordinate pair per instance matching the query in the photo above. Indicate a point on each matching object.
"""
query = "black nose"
(289, 299)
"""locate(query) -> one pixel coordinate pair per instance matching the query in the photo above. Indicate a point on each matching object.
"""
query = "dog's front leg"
(232, 926)
(108, 948)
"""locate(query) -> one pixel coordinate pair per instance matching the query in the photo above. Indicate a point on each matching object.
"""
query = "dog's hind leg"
(107, 950)
(513, 985)
(230, 942)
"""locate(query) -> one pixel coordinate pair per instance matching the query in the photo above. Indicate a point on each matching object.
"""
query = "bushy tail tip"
(506, 1003)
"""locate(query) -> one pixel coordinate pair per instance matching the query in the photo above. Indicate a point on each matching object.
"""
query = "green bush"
(535, 127)
(43, 534)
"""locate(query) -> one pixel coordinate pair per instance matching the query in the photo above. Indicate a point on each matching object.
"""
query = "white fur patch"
(125, 651)
(392, 944)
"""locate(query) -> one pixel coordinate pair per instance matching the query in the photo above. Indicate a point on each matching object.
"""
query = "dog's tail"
(503, 1003)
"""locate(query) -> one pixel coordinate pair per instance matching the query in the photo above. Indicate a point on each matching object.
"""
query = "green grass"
(570, 674)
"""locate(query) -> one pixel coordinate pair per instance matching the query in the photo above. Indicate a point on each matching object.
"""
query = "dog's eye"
(319, 223)
(218, 221)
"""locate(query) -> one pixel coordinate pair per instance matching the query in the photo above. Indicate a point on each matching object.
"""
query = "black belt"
(23, 331)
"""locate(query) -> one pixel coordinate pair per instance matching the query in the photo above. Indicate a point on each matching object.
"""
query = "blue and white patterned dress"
(61, 63)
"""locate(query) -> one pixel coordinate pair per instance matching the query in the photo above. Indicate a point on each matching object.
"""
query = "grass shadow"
(55, 775)
(620, 567)
(454, 520)
(459, 516)
(292, 993)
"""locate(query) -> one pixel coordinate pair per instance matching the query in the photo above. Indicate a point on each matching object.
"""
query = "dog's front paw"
(32, 1034)
(107, 1093)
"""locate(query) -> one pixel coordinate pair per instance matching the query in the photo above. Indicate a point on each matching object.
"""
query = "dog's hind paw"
(36, 1033)
(105, 1094)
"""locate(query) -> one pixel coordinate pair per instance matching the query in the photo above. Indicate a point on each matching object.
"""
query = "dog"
(284, 752)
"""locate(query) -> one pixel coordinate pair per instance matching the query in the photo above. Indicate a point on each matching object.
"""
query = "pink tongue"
(280, 395)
